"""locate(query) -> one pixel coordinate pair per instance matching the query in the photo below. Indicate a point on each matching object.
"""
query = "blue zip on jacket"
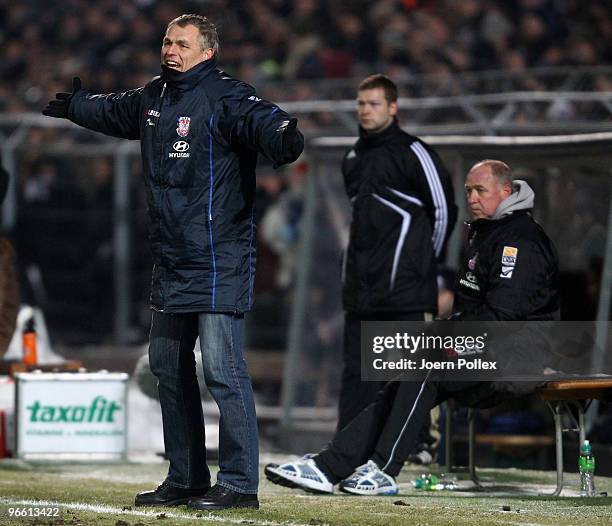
(200, 132)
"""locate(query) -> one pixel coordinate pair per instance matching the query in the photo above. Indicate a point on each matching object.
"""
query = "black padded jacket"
(200, 132)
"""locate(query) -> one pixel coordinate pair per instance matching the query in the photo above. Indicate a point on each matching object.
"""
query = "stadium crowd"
(288, 49)
(114, 44)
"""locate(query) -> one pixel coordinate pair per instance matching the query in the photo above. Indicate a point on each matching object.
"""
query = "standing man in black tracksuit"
(200, 132)
(509, 274)
(403, 211)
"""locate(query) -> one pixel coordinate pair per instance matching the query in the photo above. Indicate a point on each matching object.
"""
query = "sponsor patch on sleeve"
(509, 256)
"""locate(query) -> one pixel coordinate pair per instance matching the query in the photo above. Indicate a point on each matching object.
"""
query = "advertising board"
(64, 414)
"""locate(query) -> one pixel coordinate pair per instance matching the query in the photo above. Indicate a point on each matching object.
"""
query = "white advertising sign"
(71, 413)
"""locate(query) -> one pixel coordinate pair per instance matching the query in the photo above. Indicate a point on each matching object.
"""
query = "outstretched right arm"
(116, 114)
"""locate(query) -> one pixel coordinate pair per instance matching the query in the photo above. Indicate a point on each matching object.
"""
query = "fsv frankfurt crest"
(183, 126)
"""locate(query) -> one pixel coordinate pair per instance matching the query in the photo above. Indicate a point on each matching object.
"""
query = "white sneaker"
(302, 473)
(422, 457)
(369, 479)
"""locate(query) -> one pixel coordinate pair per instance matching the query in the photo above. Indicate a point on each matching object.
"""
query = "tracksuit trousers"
(356, 394)
(387, 430)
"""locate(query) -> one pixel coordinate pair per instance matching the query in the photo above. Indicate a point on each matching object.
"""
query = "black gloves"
(59, 107)
(293, 143)
(293, 140)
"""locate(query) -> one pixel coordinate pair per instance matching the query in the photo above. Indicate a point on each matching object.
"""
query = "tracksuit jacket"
(510, 271)
(200, 133)
(403, 212)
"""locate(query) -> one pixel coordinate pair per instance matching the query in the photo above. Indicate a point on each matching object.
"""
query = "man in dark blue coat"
(200, 133)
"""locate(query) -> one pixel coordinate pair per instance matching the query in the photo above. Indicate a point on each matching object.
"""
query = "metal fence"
(77, 206)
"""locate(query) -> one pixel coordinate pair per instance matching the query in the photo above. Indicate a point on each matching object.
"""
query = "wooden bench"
(560, 396)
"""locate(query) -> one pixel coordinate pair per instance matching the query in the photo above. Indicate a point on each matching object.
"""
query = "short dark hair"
(208, 31)
(500, 170)
(383, 82)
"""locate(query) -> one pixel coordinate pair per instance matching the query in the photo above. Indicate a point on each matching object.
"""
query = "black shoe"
(220, 498)
(167, 495)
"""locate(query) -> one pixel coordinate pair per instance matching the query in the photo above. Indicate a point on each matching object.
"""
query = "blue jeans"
(173, 363)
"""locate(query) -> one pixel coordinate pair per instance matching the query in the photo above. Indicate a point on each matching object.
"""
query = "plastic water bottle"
(446, 482)
(426, 481)
(29, 343)
(421, 482)
(432, 482)
(586, 465)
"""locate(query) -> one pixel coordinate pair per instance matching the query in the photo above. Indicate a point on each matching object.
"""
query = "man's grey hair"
(208, 31)
(500, 170)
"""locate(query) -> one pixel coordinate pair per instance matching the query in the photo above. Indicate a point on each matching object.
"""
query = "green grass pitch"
(92, 494)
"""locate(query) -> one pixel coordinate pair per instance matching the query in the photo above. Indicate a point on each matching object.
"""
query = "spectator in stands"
(280, 225)
(303, 38)
(509, 273)
(48, 203)
(98, 268)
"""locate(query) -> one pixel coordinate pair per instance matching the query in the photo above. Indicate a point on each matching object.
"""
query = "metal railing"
(545, 78)
(485, 114)
(519, 112)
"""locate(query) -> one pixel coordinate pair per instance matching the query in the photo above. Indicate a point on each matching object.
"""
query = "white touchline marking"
(102, 508)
